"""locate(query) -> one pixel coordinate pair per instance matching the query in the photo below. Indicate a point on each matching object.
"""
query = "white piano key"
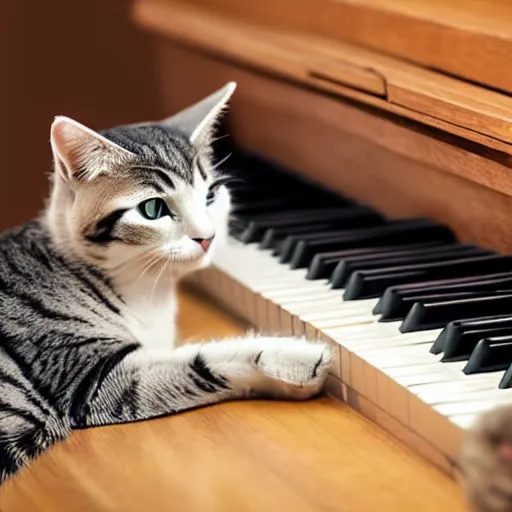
(314, 301)
(477, 406)
(303, 306)
(391, 369)
(464, 421)
(343, 321)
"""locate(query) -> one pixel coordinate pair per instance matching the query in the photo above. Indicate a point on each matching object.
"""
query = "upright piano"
(374, 143)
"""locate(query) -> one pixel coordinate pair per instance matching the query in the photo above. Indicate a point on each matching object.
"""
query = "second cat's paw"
(486, 462)
(297, 369)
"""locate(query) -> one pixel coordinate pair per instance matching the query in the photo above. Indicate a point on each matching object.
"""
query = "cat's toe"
(298, 367)
(486, 462)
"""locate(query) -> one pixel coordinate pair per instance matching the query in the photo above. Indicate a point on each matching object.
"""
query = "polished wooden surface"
(245, 456)
(470, 39)
(330, 65)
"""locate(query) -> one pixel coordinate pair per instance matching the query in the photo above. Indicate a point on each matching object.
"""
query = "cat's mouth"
(189, 258)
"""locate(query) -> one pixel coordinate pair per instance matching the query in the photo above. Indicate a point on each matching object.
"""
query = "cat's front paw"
(293, 368)
(486, 462)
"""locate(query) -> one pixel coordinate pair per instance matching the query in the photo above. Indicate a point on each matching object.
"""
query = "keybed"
(420, 325)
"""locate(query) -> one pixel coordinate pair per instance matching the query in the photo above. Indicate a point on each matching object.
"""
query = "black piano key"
(287, 213)
(394, 301)
(418, 286)
(340, 217)
(266, 197)
(453, 330)
(273, 237)
(235, 226)
(361, 286)
(490, 355)
(251, 184)
(345, 268)
(487, 282)
(324, 263)
(461, 348)
(388, 234)
(255, 199)
(257, 224)
(424, 316)
(506, 380)
(296, 216)
(290, 243)
(367, 284)
(250, 173)
(244, 209)
(407, 303)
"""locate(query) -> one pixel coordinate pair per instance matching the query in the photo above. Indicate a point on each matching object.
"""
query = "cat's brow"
(162, 174)
(149, 183)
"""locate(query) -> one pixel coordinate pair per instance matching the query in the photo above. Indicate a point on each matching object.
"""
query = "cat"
(485, 461)
(88, 289)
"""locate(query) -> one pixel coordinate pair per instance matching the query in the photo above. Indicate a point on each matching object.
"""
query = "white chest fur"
(151, 314)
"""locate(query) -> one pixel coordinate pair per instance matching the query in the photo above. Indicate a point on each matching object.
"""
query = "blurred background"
(87, 61)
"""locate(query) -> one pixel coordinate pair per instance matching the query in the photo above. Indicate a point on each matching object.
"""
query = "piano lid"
(307, 42)
(470, 39)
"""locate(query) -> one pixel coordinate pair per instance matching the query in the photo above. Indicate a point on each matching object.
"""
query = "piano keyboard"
(420, 324)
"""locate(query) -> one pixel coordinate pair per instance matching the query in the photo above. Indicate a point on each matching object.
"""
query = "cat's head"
(140, 199)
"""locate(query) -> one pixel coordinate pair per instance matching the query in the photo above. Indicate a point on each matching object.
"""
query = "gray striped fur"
(87, 300)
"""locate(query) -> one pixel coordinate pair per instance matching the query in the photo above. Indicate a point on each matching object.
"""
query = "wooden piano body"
(402, 105)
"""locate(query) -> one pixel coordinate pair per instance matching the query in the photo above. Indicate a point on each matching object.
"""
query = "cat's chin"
(190, 263)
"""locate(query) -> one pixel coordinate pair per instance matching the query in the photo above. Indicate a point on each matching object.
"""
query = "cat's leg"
(29, 422)
(486, 462)
(149, 383)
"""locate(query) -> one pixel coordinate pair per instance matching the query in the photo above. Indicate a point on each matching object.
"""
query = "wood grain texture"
(434, 99)
(471, 39)
(252, 456)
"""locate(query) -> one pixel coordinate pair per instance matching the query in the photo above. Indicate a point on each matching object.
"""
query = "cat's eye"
(153, 209)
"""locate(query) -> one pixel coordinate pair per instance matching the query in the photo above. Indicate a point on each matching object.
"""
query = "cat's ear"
(81, 153)
(198, 121)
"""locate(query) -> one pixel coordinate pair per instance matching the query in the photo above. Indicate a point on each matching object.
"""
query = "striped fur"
(87, 300)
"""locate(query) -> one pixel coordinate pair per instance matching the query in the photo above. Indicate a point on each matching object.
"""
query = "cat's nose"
(204, 242)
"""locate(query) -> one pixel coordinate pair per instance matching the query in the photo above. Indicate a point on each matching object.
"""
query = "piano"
(372, 146)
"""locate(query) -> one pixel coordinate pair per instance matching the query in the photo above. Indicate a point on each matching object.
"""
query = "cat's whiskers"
(153, 260)
(220, 137)
(138, 260)
(164, 265)
(221, 161)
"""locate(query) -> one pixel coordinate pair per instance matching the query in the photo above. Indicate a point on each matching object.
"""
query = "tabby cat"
(87, 291)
